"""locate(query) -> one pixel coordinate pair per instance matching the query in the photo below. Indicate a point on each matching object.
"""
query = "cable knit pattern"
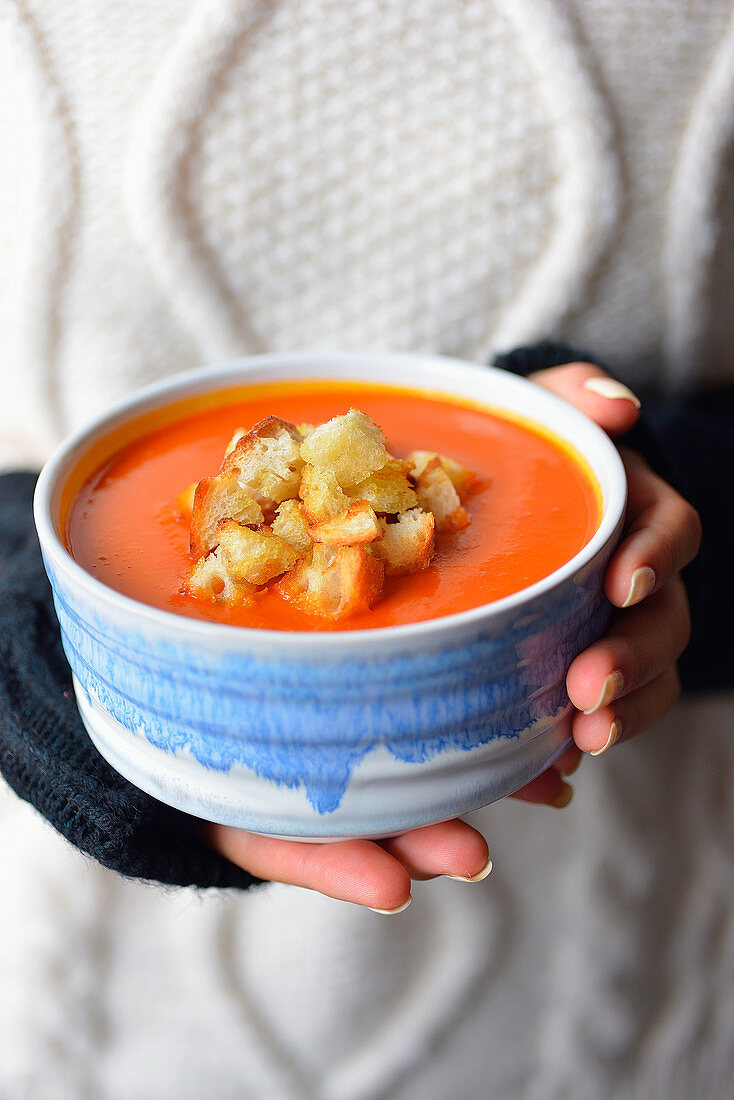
(39, 168)
(652, 60)
(375, 158)
(702, 173)
(184, 180)
(460, 178)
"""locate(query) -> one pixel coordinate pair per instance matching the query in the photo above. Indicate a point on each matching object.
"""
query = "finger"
(450, 848)
(608, 402)
(641, 643)
(359, 871)
(547, 789)
(626, 718)
(663, 536)
(568, 763)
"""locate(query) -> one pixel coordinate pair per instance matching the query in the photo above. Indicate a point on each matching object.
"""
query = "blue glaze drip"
(311, 724)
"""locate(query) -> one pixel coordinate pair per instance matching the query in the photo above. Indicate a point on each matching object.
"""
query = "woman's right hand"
(662, 535)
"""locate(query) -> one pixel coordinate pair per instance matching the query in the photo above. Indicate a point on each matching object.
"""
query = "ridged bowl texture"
(335, 734)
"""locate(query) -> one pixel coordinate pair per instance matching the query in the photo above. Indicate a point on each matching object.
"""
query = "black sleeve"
(688, 440)
(45, 753)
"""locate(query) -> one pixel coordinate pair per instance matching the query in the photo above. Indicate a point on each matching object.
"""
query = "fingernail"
(563, 797)
(610, 387)
(611, 688)
(641, 585)
(614, 733)
(393, 912)
(474, 878)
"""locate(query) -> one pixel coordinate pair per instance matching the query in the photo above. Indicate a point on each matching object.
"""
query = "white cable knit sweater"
(185, 181)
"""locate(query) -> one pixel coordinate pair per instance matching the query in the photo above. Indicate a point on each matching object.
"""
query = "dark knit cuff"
(689, 441)
(548, 353)
(45, 753)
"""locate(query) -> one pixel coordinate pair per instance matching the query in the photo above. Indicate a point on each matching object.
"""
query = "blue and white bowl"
(337, 734)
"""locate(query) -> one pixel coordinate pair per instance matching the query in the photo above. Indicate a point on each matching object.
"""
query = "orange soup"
(534, 506)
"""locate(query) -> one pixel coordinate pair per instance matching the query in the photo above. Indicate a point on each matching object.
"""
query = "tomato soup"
(534, 507)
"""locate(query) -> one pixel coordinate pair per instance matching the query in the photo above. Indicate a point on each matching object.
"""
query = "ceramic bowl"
(330, 735)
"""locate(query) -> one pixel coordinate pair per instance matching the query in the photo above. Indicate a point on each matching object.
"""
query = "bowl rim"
(219, 374)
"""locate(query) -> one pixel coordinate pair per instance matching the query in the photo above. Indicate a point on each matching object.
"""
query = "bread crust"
(334, 582)
(407, 546)
(355, 526)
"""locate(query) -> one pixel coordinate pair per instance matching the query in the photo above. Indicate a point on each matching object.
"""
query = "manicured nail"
(393, 912)
(610, 387)
(641, 585)
(563, 797)
(611, 688)
(614, 734)
(474, 878)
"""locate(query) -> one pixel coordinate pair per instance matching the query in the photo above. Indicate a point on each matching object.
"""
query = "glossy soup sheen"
(533, 510)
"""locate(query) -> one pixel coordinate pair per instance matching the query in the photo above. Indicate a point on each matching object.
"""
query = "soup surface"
(534, 507)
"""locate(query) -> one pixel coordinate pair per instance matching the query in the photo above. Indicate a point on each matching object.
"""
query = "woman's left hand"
(623, 684)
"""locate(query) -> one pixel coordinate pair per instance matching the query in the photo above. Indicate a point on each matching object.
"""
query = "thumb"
(591, 390)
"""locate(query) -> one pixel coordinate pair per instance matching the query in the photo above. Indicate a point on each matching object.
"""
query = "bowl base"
(385, 797)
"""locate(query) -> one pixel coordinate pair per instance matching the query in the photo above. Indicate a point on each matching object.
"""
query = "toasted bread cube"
(254, 556)
(310, 583)
(238, 433)
(437, 494)
(217, 498)
(321, 495)
(210, 578)
(185, 501)
(268, 461)
(334, 583)
(351, 446)
(354, 526)
(387, 490)
(306, 429)
(291, 524)
(361, 579)
(406, 546)
(463, 480)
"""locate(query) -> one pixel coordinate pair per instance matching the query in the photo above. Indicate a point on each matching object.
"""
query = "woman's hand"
(366, 872)
(626, 682)
(620, 686)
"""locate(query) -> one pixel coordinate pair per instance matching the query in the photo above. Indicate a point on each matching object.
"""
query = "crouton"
(291, 524)
(387, 490)
(210, 578)
(356, 525)
(238, 433)
(268, 461)
(361, 579)
(351, 446)
(217, 498)
(185, 501)
(321, 495)
(406, 546)
(325, 510)
(334, 583)
(463, 480)
(255, 556)
(437, 494)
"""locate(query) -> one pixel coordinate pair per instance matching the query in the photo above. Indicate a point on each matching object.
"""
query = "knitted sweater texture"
(183, 182)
